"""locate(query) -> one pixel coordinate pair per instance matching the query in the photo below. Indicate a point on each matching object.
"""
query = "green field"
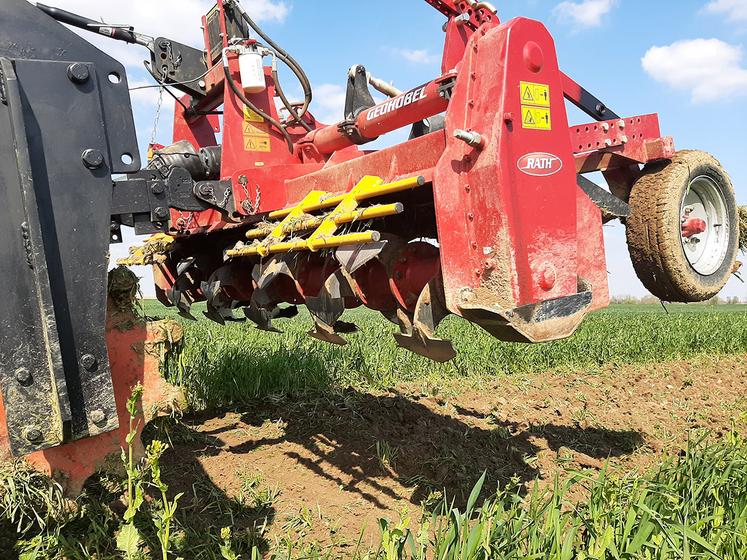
(237, 363)
(690, 504)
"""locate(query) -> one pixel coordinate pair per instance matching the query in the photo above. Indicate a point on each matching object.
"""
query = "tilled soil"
(342, 461)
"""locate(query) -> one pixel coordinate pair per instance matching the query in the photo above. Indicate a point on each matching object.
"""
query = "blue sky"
(681, 58)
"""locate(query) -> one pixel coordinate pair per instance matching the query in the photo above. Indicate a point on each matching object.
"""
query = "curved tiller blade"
(179, 294)
(220, 306)
(418, 331)
(262, 309)
(327, 308)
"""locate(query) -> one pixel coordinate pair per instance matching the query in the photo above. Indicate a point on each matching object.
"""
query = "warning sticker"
(257, 144)
(256, 132)
(536, 118)
(251, 116)
(535, 94)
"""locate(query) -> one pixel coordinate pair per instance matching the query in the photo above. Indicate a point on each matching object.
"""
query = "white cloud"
(329, 103)
(177, 19)
(586, 13)
(415, 56)
(735, 10)
(709, 69)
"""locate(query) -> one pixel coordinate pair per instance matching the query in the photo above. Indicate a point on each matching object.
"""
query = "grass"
(692, 506)
(236, 363)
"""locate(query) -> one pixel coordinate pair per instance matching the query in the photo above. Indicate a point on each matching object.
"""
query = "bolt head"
(34, 435)
(161, 213)
(206, 190)
(78, 73)
(23, 376)
(92, 159)
(158, 188)
(88, 362)
(98, 416)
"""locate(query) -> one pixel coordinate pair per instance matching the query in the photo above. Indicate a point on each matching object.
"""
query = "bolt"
(606, 127)
(462, 19)
(161, 213)
(508, 117)
(206, 190)
(621, 124)
(78, 73)
(608, 142)
(92, 159)
(473, 139)
(471, 216)
(34, 435)
(157, 188)
(88, 361)
(98, 416)
(114, 226)
(23, 376)
(624, 139)
(202, 84)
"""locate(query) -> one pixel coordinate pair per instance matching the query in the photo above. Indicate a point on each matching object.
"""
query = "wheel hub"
(704, 219)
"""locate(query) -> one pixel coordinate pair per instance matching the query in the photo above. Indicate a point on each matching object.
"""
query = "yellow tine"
(289, 246)
(362, 194)
(380, 211)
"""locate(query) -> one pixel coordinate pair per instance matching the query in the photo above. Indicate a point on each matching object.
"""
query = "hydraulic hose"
(240, 94)
(288, 60)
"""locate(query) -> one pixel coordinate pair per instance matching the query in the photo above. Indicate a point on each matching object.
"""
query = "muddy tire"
(671, 265)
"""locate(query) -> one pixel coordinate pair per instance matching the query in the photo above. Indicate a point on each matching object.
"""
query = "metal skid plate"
(54, 368)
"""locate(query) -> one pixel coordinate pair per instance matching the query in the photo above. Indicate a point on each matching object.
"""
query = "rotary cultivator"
(485, 212)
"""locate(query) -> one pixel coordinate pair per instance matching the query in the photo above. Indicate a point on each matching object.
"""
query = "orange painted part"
(134, 359)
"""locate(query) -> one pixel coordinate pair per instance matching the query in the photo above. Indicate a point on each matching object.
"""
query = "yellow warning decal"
(251, 116)
(535, 94)
(536, 118)
(256, 132)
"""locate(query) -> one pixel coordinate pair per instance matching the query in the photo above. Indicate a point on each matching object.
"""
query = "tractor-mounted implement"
(254, 207)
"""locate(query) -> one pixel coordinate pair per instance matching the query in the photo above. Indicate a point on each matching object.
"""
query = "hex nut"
(23, 376)
(88, 361)
(34, 435)
(92, 159)
(98, 416)
(78, 73)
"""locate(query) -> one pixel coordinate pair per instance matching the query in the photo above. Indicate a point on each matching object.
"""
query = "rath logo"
(540, 164)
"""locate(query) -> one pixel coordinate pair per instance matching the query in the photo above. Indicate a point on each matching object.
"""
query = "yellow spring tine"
(303, 245)
(379, 211)
(278, 234)
(363, 194)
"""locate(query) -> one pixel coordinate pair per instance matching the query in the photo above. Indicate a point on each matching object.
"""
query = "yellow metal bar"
(348, 204)
(373, 212)
(303, 245)
(296, 213)
(364, 194)
(349, 239)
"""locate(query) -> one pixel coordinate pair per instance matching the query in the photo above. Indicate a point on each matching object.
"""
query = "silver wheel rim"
(706, 250)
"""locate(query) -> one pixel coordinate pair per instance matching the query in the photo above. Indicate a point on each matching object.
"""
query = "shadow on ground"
(343, 438)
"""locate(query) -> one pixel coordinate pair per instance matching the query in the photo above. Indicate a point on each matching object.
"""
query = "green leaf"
(128, 540)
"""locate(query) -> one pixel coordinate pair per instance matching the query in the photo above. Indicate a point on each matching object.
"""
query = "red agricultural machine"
(485, 212)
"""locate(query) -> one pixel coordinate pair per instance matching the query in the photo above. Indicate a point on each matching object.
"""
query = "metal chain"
(157, 117)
